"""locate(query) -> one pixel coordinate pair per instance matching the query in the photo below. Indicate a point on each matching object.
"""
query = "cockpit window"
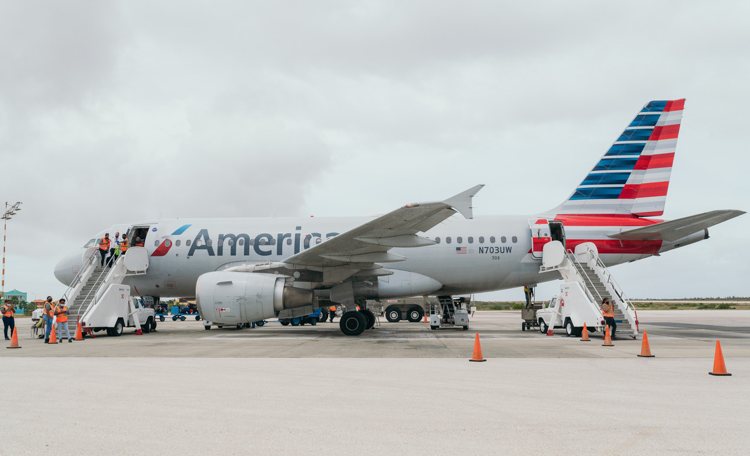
(90, 243)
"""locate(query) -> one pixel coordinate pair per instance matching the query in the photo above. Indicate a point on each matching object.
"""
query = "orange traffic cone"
(607, 339)
(53, 335)
(720, 369)
(424, 320)
(645, 347)
(476, 357)
(585, 334)
(14, 339)
(79, 332)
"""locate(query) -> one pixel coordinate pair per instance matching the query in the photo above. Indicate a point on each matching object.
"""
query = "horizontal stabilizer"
(679, 228)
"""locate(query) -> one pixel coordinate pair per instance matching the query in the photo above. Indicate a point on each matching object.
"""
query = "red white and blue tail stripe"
(633, 176)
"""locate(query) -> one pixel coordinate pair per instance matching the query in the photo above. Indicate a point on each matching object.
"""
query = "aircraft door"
(540, 235)
(557, 231)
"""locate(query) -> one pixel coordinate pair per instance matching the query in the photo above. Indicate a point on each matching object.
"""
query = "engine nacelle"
(240, 297)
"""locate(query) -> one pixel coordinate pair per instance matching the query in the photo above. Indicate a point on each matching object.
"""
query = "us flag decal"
(461, 250)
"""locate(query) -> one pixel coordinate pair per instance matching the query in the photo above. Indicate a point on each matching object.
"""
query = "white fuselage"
(479, 255)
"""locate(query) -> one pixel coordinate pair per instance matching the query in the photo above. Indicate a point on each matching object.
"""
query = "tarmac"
(399, 389)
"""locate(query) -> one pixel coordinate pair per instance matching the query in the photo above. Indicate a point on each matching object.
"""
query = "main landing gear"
(355, 322)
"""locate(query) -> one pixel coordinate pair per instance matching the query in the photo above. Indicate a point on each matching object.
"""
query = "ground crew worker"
(48, 316)
(331, 312)
(104, 244)
(37, 321)
(138, 242)
(61, 311)
(123, 245)
(9, 320)
(608, 312)
(113, 250)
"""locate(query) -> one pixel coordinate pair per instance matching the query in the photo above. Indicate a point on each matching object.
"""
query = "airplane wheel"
(370, 317)
(393, 314)
(415, 314)
(353, 323)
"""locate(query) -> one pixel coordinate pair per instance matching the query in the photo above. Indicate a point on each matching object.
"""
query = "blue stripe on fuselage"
(181, 229)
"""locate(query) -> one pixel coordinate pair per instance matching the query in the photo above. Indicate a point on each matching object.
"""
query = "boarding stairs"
(602, 284)
(586, 267)
(92, 281)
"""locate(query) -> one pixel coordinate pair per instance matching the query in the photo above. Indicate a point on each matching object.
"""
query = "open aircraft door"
(544, 231)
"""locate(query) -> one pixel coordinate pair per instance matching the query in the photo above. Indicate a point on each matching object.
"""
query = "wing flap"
(679, 228)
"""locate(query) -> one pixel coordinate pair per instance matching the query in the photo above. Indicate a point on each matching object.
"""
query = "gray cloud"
(123, 111)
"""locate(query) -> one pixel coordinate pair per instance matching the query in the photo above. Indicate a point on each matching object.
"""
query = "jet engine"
(226, 297)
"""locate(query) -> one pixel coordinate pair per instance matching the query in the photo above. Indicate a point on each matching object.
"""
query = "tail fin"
(633, 176)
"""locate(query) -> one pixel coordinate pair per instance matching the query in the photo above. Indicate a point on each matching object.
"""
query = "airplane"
(247, 269)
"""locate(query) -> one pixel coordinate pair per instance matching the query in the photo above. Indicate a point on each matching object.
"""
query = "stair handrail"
(572, 258)
(615, 286)
(89, 258)
(629, 310)
(98, 282)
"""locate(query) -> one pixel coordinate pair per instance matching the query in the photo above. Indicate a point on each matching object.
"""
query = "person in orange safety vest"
(608, 312)
(9, 318)
(61, 312)
(104, 244)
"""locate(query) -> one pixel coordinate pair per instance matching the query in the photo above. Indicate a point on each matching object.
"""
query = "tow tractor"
(450, 313)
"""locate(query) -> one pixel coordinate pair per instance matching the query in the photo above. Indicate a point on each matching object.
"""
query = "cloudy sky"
(123, 111)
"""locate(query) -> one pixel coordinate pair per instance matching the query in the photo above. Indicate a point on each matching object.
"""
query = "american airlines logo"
(262, 244)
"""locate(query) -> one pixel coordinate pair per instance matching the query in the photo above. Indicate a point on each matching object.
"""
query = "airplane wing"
(369, 243)
(678, 228)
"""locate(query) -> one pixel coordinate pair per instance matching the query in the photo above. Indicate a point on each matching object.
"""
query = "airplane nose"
(67, 268)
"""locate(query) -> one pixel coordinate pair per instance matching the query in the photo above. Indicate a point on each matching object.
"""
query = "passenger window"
(289, 241)
(459, 240)
(177, 242)
(503, 239)
(188, 242)
(156, 243)
(481, 239)
(514, 239)
(241, 241)
(471, 240)
(231, 242)
(437, 239)
(448, 240)
(492, 239)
